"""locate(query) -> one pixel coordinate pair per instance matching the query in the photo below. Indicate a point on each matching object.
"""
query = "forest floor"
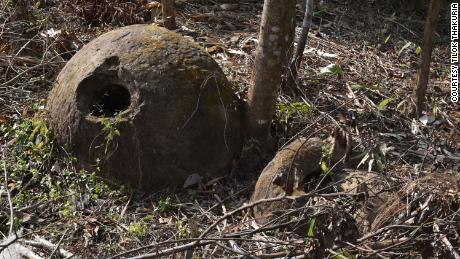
(376, 50)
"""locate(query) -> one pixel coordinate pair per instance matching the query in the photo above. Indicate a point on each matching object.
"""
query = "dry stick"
(336, 255)
(125, 207)
(322, 116)
(280, 254)
(9, 195)
(383, 230)
(173, 250)
(285, 243)
(59, 251)
(245, 254)
(402, 25)
(247, 206)
(22, 252)
(400, 241)
(427, 48)
(22, 73)
(16, 238)
(5, 245)
(229, 237)
(449, 120)
(446, 242)
(47, 245)
(18, 76)
(201, 240)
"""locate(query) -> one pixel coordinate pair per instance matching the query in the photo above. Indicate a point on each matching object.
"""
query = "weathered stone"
(169, 100)
(370, 191)
(286, 174)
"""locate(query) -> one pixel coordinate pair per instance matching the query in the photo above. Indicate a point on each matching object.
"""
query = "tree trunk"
(270, 63)
(427, 48)
(306, 23)
(168, 14)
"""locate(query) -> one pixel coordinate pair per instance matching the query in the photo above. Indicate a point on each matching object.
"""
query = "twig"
(61, 252)
(22, 73)
(19, 251)
(387, 244)
(446, 242)
(45, 244)
(9, 195)
(402, 25)
(122, 213)
(381, 230)
(201, 240)
(337, 255)
(237, 251)
(172, 250)
(289, 254)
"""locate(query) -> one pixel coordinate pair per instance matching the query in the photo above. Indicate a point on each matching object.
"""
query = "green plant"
(326, 152)
(311, 228)
(407, 45)
(40, 174)
(387, 39)
(182, 229)
(164, 205)
(287, 111)
(138, 229)
(383, 104)
(110, 130)
(318, 13)
(333, 69)
(343, 253)
(375, 159)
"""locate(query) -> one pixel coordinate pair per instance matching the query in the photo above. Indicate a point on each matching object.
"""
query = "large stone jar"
(148, 106)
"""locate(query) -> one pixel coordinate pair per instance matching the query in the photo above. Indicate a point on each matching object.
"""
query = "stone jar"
(147, 106)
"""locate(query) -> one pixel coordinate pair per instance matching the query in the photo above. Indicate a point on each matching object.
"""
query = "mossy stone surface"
(171, 103)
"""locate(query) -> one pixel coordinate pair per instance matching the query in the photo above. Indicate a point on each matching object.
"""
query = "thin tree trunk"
(169, 20)
(287, 84)
(306, 23)
(277, 20)
(427, 48)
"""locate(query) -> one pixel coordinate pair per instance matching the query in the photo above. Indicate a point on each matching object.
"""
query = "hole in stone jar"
(110, 100)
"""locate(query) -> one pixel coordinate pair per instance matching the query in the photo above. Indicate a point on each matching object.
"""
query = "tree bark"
(303, 35)
(306, 23)
(427, 48)
(270, 63)
(169, 20)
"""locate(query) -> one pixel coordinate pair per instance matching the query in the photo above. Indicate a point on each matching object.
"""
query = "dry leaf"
(193, 179)
(166, 221)
(3, 119)
(153, 5)
(206, 17)
(227, 7)
(213, 49)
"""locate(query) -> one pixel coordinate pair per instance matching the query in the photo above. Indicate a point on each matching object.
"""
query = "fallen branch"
(202, 240)
(446, 242)
(47, 245)
(10, 203)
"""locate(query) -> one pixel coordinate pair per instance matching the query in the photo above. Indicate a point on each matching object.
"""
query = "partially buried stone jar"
(148, 106)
